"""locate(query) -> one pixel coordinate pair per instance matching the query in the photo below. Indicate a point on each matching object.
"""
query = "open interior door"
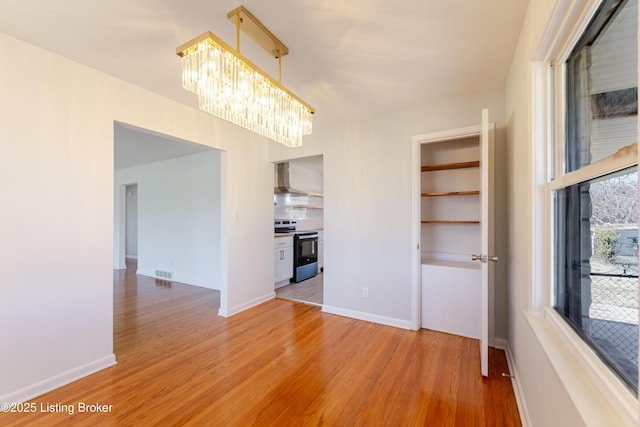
(486, 224)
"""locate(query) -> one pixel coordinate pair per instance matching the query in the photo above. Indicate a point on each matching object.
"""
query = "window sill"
(599, 396)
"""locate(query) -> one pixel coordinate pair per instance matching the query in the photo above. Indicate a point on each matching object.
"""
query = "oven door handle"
(311, 236)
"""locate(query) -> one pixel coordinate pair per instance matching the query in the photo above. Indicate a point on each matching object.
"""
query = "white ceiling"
(348, 58)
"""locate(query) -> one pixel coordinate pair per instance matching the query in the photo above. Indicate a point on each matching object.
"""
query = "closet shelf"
(446, 166)
(451, 193)
(450, 222)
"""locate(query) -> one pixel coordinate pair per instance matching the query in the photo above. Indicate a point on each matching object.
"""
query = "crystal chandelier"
(229, 86)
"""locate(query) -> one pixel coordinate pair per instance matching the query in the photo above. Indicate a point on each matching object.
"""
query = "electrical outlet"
(365, 292)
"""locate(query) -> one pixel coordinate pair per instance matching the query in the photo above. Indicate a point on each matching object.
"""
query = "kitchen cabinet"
(438, 299)
(283, 260)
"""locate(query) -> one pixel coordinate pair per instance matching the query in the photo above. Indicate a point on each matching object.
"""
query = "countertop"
(297, 232)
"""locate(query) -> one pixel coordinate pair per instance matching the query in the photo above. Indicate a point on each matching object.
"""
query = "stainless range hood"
(283, 180)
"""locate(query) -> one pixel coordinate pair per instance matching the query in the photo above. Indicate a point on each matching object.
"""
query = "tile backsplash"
(306, 209)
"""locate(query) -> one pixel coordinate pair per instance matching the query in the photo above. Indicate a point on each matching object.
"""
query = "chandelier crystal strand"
(229, 88)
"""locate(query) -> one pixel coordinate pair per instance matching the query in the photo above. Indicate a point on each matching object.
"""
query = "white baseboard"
(503, 344)
(500, 344)
(374, 318)
(57, 381)
(131, 257)
(228, 312)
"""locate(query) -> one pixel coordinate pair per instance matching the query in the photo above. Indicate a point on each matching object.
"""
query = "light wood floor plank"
(309, 291)
(281, 363)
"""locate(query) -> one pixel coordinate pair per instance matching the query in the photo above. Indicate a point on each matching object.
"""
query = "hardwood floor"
(281, 363)
(309, 291)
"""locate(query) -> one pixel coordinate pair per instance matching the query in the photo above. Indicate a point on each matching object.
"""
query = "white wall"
(367, 203)
(501, 233)
(56, 183)
(304, 178)
(131, 221)
(179, 215)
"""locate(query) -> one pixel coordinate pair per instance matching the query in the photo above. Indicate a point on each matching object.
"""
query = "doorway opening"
(452, 219)
(449, 233)
(299, 207)
(168, 208)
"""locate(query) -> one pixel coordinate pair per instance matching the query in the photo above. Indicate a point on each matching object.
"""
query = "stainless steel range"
(305, 249)
(285, 226)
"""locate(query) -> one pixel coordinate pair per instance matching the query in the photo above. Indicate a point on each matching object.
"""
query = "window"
(595, 196)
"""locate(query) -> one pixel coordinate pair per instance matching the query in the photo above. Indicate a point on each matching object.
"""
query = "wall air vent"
(164, 275)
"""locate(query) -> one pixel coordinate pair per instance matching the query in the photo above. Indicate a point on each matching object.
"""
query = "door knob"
(475, 257)
(493, 258)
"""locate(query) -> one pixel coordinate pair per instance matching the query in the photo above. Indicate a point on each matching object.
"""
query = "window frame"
(555, 163)
(548, 166)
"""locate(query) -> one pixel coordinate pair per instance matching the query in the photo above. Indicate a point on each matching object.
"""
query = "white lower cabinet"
(283, 260)
(450, 297)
